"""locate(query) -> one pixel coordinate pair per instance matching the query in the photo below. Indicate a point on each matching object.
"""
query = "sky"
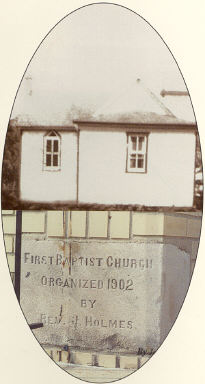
(89, 58)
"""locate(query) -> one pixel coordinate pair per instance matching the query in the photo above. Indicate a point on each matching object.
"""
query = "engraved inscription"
(93, 322)
(91, 295)
(87, 303)
(108, 261)
(111, 284)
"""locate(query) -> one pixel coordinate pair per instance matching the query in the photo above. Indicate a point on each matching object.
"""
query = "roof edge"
(69, 128)
(142, 124)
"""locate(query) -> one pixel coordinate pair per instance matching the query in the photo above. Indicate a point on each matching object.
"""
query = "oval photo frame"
(60, 235)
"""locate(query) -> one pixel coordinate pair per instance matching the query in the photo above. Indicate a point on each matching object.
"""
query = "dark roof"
(70, 128)
(138, 118)
(112, 124)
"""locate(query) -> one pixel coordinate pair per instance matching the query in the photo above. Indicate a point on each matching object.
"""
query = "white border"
(23, 25)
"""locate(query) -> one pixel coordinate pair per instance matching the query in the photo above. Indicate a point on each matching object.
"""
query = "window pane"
(55, 146)
(140, 142)
(134, 143)
(48, 160)
(140, 161)
(133, 161)
(136, 151)
(55, 160)
(48, 146)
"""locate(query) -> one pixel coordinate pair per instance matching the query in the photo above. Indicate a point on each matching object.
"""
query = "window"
(51, 161)
(137, 153)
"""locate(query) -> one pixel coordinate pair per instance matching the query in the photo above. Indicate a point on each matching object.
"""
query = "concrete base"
(107, 296)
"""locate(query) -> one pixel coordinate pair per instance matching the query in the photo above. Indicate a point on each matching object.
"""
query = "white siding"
(41, 185)
(169, 180)
(103, 178)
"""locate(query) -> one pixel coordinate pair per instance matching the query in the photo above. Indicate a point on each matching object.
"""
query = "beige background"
(23, 25)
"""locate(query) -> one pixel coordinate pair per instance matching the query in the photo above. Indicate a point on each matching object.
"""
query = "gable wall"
(169, 179)
(39, 185)
(103, 177)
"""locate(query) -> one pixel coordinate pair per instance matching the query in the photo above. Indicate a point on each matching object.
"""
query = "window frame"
(52, 136)
(131, 151)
